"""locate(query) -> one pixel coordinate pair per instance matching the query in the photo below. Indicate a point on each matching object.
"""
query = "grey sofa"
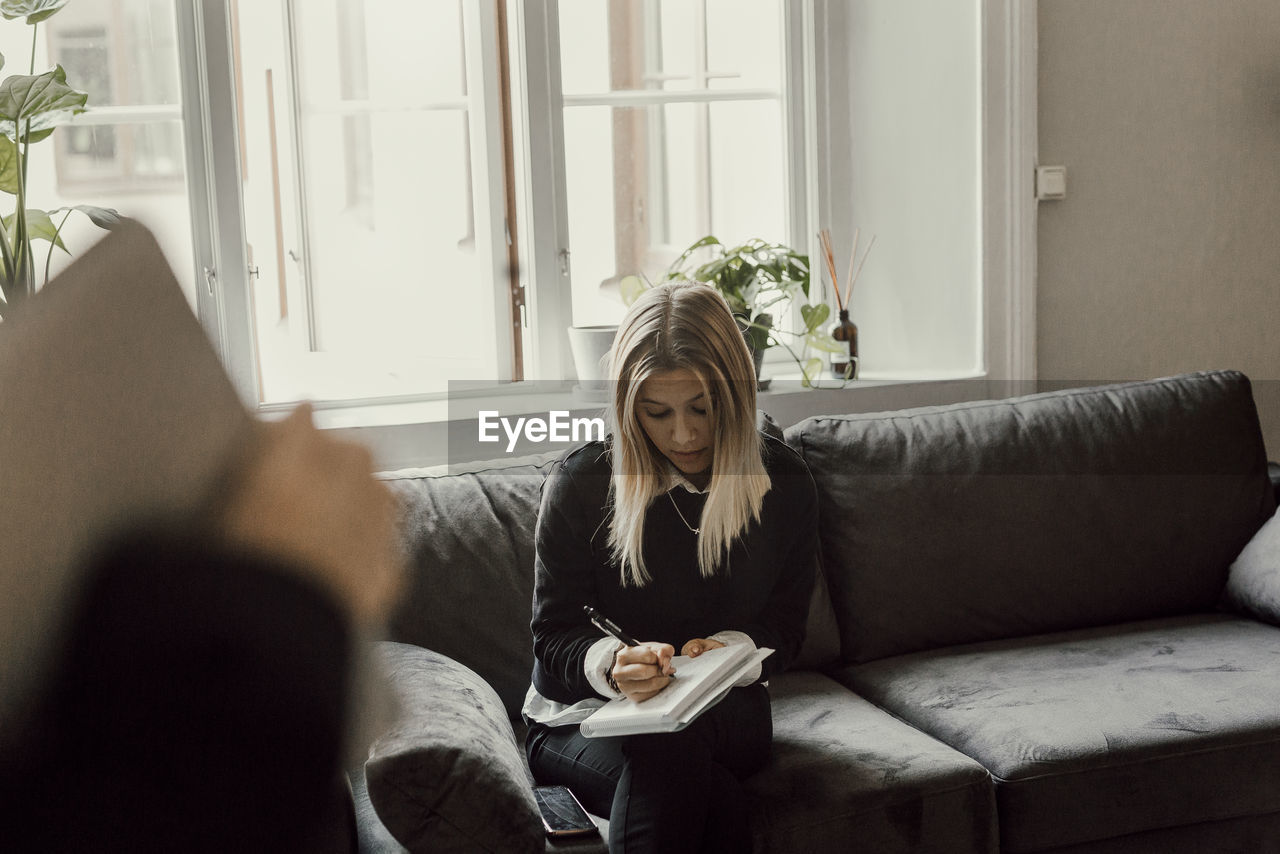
(1034, 630)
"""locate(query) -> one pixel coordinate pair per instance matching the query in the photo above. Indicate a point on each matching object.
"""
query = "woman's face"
(675, 414)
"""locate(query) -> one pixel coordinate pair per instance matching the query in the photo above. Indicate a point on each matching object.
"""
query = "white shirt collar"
(675, 478)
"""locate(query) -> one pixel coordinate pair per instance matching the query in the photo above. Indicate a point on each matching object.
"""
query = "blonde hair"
(674, 326)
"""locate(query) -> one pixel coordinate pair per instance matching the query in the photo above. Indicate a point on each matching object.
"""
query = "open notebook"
(113, 407)
(700, 683)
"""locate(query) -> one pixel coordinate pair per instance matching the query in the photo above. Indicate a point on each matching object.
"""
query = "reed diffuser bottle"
(844, 366)
(844, 362)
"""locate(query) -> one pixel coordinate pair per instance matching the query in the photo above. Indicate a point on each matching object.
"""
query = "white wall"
(911, 156)
(1165, 255)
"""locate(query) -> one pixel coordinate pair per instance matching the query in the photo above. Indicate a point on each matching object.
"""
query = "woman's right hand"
(643, 671)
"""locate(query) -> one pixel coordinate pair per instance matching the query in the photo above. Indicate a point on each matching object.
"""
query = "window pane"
(584, 51)
(677, 50)
(678, 216)
(743, 40)
(379, 288)
(621, 45)
(123, 53)
(391, 52)
(127, 151)
(645, 181)
(372, 280)
(590, 182)
(747, 186)
(125, 158)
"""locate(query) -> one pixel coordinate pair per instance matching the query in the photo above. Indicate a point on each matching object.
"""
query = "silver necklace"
(696, 531)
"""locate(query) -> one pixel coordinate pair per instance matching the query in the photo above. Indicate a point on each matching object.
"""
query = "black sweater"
(763, 590)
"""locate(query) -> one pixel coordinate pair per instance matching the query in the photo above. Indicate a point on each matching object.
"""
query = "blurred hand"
(312, 501)
(643, 671)
(698, 646)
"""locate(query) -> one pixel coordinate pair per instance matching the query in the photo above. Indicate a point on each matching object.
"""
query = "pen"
(609, 627)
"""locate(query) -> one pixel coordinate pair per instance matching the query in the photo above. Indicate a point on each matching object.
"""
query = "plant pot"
(590, 346)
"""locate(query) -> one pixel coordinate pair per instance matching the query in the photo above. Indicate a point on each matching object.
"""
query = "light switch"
(1051, 182)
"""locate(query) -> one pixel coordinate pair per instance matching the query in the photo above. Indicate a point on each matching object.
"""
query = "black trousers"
(668, 792)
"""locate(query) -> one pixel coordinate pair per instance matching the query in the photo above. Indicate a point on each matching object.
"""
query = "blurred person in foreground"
(202, 692)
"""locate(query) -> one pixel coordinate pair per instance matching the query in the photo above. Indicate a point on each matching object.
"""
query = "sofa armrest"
(448, 775)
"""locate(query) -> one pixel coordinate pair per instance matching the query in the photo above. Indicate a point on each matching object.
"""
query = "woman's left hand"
(698, 646)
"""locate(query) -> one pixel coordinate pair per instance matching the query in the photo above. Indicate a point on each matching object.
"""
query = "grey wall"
(1165, 255)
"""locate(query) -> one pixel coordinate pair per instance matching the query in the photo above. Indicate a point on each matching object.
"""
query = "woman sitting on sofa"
(687, 527)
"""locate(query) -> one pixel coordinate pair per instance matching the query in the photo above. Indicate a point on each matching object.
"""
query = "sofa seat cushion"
(844, 775)
(1098, 733)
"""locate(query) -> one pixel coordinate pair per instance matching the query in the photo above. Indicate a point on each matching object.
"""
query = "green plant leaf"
(107, 218)
(810, 372)
(8, 165)
(678, 264)
(814, 315)
(39, 227)
(824, 342)
(630, 288)
(34, 11)
(42, 100)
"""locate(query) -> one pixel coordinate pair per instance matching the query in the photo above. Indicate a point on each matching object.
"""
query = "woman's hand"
(698, 646)
(643, 671)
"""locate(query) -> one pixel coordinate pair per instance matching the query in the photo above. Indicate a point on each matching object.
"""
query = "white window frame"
(541, 140)
(407, 435)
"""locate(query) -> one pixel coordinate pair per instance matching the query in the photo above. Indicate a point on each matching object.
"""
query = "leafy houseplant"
(755, 277)
(31, 107)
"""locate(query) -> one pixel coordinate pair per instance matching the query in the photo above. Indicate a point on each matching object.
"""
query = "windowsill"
(435, 432)
(531, 400)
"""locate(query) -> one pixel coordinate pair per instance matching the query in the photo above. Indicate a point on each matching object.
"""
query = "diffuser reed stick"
(824, 237)
(858, 272)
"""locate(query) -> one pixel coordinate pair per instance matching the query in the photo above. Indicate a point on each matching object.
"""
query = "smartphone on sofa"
(562, 815)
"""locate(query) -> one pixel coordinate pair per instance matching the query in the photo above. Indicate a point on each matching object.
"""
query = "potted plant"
(31, 107)
(756, 278)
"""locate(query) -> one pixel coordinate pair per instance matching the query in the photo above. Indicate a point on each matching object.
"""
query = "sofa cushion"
(468, 534)
(1055, 511)
(844, 773)
(1253, 580)
(448, 775)
(1150, 725)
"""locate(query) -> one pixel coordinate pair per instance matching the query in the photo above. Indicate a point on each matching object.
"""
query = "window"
(367, 167)
(127, 151)
(123, 54)
(387, 192)
(674, 128)
(426, 193)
